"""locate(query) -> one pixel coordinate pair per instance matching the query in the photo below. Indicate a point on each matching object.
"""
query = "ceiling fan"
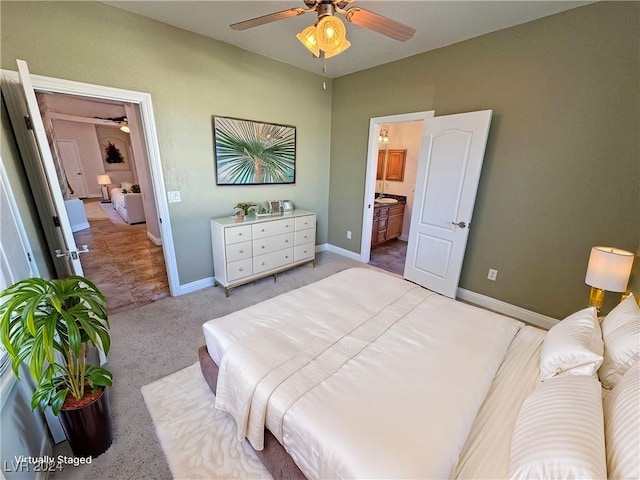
(327, 36)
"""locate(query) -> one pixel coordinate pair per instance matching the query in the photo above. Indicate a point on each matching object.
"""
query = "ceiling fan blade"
(378, 23)
(272, 17)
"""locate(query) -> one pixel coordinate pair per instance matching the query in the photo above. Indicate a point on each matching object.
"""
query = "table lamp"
(103, 181)
(609, 269)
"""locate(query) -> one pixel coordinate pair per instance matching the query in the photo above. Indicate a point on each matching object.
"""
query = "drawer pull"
(286, 226)
(286, 256)
(240, 251)
(262, 230)
(286, 241)
(262, 247)
(262, 263)
(240, 269)
(239, 234)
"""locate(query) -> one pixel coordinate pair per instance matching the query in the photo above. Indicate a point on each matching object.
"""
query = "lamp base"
(105, 194)
(596, 297)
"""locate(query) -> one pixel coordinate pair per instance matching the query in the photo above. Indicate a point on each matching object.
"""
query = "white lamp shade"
(104, 180)
(609, 269)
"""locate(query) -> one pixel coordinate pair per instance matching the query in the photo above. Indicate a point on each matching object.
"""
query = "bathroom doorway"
(394, 150)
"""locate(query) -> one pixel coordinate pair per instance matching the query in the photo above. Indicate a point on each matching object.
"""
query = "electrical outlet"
(493, 274)
(348, 234)
(174, 197)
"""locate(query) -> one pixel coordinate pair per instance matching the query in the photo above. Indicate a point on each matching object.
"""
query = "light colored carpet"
(199, 441)
(155, 340)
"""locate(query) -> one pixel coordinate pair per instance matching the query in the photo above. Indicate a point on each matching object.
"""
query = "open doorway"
(19, 94)
(395, 144)
(397, 166)
(104, 175)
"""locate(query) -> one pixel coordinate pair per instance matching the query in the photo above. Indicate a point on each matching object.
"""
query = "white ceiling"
(437, 24)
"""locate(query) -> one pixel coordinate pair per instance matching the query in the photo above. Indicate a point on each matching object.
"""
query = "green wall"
(190, 78)
(562, 167)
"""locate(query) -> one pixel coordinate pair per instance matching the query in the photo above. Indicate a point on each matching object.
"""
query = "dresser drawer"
(305, 236)
(275, 227)
(273, 260)
(238, 251)
(271, 244)
(304, 252)
(306, 222)
(238, 234)
(239, 269)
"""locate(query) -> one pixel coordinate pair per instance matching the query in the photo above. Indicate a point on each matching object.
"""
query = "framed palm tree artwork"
(253, 153)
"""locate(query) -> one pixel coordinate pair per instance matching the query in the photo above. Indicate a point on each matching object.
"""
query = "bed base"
(274, 457)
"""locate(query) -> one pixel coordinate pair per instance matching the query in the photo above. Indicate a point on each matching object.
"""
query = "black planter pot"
(88, 428)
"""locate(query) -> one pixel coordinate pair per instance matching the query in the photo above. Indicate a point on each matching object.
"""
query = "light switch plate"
(174, 197)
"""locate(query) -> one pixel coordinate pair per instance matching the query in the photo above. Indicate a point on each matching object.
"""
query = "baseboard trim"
(156, 241)
(343, 252)
(195, 286)
(505, 308)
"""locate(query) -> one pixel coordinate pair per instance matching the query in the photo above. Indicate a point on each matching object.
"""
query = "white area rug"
(198, 440)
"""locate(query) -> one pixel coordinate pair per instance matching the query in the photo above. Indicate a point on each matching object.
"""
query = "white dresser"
(257, 247)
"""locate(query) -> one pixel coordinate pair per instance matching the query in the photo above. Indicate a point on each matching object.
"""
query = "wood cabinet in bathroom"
(387, 223)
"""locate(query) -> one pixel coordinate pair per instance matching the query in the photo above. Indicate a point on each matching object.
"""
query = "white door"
(43, 176)
(448, 174)
(70, 158)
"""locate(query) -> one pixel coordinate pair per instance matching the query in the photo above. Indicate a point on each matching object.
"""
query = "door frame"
(144, 103)
(375, 125)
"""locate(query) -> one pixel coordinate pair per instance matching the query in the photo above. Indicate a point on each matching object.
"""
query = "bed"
(365, 375)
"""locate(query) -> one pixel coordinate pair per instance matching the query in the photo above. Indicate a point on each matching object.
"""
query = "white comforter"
(361, 375)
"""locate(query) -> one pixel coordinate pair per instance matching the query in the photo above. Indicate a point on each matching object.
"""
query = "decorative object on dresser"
(246, 209)
(253, 153)
(128, 204)
(261, 246)
(287, 205)
(608, 269)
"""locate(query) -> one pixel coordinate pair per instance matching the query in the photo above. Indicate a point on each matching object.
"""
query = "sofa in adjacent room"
(128, 205)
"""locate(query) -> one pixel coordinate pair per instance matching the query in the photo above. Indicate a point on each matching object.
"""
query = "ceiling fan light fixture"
(308, 38)
(343, 46)
(331, 36)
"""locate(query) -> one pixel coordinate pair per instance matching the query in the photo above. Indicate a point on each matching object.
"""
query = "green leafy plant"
(52, 323)
(247, 208)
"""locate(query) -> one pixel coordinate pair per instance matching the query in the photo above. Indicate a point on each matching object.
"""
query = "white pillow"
(622, 426)
(621, 334)
(559, 432)
(573, 346)
(126, 185)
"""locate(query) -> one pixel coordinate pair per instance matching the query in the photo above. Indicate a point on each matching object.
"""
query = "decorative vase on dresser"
(257, 247)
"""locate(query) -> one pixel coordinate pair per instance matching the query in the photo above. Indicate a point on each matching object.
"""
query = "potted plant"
(52, 324)
(245, 209)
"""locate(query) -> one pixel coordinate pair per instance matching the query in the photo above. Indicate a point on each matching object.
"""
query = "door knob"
(459, 224)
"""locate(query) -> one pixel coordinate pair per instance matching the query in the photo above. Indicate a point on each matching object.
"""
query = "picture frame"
(248, 152)
(275, 207)
(287, 205)
(115, 151)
